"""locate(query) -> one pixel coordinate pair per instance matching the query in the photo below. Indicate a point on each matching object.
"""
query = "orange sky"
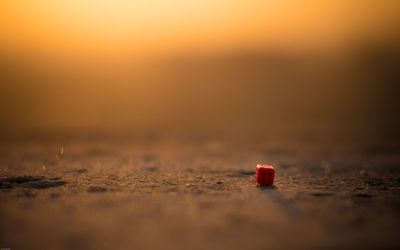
(84, 62)
(160, 26)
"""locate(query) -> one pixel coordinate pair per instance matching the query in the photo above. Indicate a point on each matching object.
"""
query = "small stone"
(364, 172)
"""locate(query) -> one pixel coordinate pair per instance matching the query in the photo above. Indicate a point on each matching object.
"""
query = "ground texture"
(196, 193)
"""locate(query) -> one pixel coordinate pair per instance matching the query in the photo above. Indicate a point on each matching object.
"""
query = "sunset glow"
(156, 26)
(142, 63)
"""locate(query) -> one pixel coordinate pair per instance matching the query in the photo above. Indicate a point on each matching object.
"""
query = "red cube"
(265, 175)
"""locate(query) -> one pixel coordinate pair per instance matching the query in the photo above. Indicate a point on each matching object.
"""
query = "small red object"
(265, 175)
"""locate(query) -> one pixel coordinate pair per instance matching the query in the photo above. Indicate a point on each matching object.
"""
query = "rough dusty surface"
(196, 193)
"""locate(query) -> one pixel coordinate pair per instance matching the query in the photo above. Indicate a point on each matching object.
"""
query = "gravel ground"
(196, 193)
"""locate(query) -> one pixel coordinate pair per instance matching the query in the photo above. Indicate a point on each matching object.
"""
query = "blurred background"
(240, 66)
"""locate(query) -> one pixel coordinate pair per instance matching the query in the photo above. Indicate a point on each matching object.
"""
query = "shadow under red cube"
(265, 175)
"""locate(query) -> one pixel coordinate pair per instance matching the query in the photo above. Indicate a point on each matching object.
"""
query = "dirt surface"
(197, 193)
